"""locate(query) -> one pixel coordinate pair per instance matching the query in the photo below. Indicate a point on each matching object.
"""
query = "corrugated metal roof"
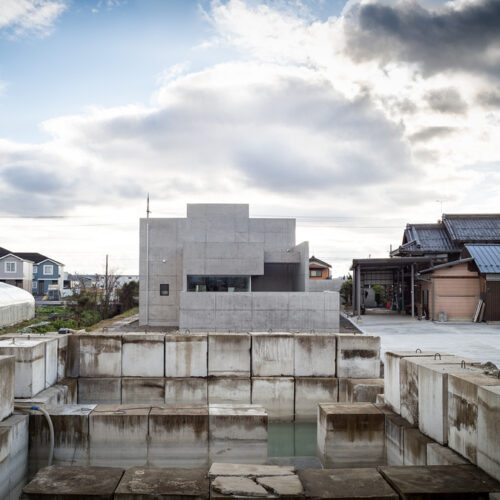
(427, 238)
(471, 228)
(486, 257)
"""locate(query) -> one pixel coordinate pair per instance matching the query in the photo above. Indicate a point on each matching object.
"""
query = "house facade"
(218, 269)
(319, 269)
(47, 273)
(15, 270)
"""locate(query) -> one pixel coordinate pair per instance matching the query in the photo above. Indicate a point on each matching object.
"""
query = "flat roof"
(390, 262)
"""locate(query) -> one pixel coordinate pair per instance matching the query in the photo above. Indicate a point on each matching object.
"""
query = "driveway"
(477, 341)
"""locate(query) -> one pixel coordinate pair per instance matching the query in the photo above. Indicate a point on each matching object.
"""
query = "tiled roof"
(473, 228)
(314, 259)
(426, 238)
(4, 251)
(486, 257)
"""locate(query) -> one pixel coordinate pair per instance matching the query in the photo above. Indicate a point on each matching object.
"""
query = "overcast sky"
(356, 117)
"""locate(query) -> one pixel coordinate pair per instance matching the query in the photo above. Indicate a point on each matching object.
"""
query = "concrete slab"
(282, 486)
(462, 411)
(186, 391)
(186, 355)
(100, 355)
(358, 356)
(51, 360)
(350, 435)
(241, 487)
(72, 393)
(440, 481)
(7, 370)
(342, 382)
(249, 470)
(309, 392)
(143, 355)
(394, 438)
(276, 395)
(99, 390)
(73, 356)
(415, 447)
(143, 390)
(65, 483)
(488, 424)
(178, 436)
(315, 355)
(442, 455)
(330, 484)
(229, 390)
(272, 354)
(149, 482)
(364, 390)
(229, 354)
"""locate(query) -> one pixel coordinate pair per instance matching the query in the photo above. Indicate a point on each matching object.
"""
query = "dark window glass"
(164, 289)
(316, 272)
(218, 283)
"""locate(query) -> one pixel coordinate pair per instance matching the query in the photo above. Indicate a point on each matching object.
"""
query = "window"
(218, 283)
(35, 269)
(164, 290)
(48, 269)
(316, 273)
(10, 267)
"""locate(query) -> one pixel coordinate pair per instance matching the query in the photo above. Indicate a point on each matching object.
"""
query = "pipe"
(147, 273)
(49, 422)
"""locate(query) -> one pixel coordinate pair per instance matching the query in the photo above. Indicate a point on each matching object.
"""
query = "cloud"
(461, 36)
(21, 17)
(429, 133)
(446, 101)
(489, 99)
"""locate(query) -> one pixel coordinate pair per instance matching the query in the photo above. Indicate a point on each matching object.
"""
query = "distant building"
(319, 269)
(15, 270)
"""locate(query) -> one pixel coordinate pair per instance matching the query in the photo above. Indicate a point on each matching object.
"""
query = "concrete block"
(343, 390)
(72, 390)
(178, 436)
(462, 411)
(237, 434)
(51, 361)
(276, 395)
(149, 482)
(143, 355)
(272, 354)
(67, 483)
(118, 434)
(99, 390)
(229, 354)
(100, 355)
(73, 356)
(229, 390)
(315, 355)
(186, 391)
(186, 355)
(71, 433)
(379, 399)
(358, 356)
(7, 370)
(309, 392)
(394, 439)
(488, 425)
(345, 484)
(249, 470)
(288, 486)
(433, 399)
(236, 487)
(415, 447)
(350, 435)
(29, 367)
(143, 390)
(442, 455)
(364, 390)
(55, 395)
(439, 481)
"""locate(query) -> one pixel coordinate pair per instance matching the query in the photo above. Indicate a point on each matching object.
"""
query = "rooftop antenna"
(147, 208)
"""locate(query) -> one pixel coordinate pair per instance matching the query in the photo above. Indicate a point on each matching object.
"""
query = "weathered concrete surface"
(229, 354)
(186, 355)
(7, 370)
(283, 486)
(364, 390)
(442, 455)
(276, 395)
(462, 411)
(415, 447)
(178, 436)
(100, 355)
(433, 398)
(394, 439)
(51, 361)
(229, 390)
(350, 435)
(186, 391)
(143, 390)
(149, 482)
(249, 470)
(315, 355)
(55, 395)
(358, 356)
(272, 354)
(488, 422)
(238, 487)
(118, 435)
(72, 393)
(342, 383)
(73, 356)
(99, 390)
(238, 434)
(143, 355)
(69, 483)
(71, 434)
(345, 484)
(309, 392)
(380, 399)
(440, 481)
(29, 367)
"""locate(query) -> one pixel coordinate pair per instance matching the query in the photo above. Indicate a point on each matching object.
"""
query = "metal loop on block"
(437, 354)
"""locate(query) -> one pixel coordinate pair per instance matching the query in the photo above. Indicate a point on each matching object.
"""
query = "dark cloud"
(429, 133)
(446, 101)
(489, 99)
(451, 38)
(32, 179)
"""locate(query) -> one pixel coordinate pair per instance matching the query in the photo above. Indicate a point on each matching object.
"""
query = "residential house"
(319, 269)
(46, 272)
(15, 270)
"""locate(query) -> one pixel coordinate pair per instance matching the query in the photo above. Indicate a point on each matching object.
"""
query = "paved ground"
(477, 341)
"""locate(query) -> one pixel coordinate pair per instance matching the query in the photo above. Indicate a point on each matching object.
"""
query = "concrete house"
(46, 271)
(220, 270)
(15, 270)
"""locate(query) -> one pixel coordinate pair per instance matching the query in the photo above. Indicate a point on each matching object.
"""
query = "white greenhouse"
(16, 305)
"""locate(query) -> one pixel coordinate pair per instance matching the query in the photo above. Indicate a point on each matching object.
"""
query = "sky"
(355, 117)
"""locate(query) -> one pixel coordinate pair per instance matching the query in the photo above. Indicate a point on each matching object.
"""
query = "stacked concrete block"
(364, 390)
(100, 390)
(394, 439)
(143, 355)
(229, 354)
(488, 424)
(315, 355)
(73, 355)
(7, 370)
(4, 458)
(273, 354)
(186, 391)
(71, 433)
(178, 436)
(311, 391)
(415, 447)
(351, 435)
(358, 356)
(29, 366)
(186, 355)
(237, 434)
(143, 390)
(51, 361)
(442, 455)
(100, 355)
(276, 395)
(229, 390)
(118, 434)
(463, 409)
